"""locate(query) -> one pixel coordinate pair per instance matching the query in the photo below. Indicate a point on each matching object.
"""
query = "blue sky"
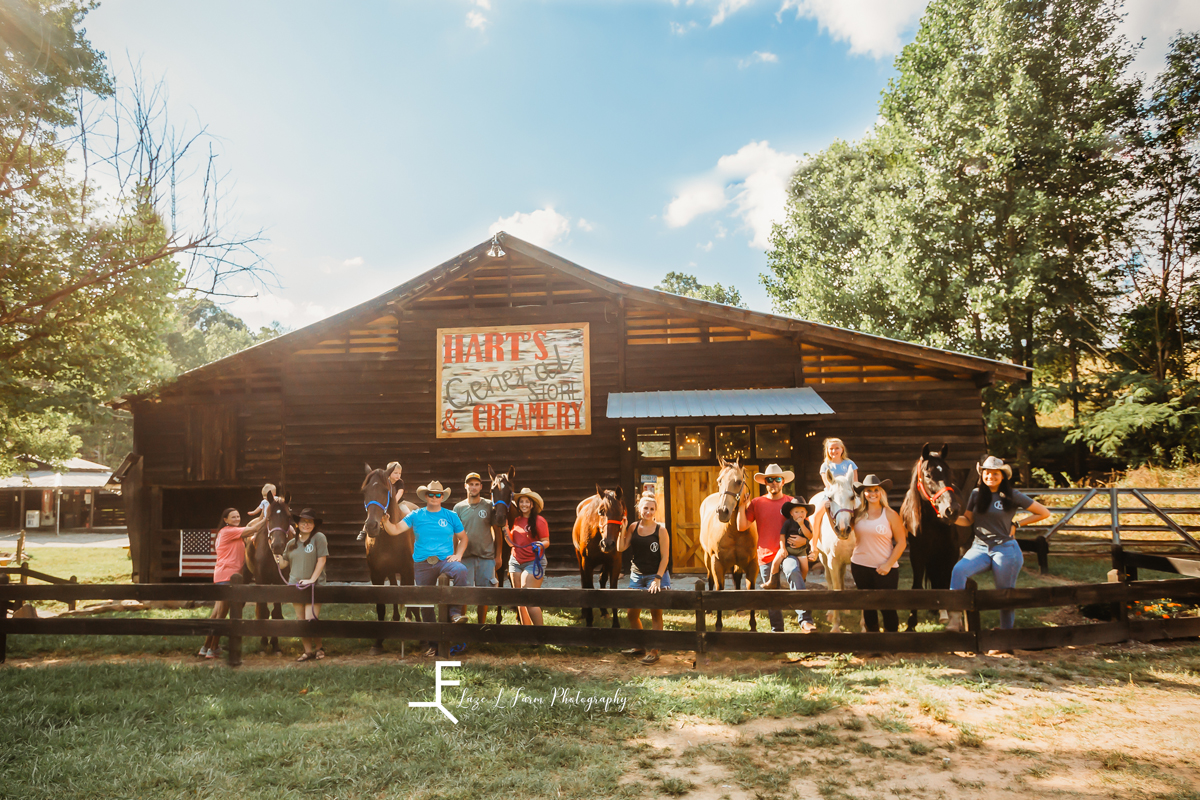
(373, 140)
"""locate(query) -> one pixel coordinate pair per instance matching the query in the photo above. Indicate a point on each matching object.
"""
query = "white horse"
(836, 539)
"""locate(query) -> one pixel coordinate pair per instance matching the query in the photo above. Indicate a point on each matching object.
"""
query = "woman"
(989, 512)
(231, 557)
(651, 545)
(306, 556)
(880, 539)
(528, 536)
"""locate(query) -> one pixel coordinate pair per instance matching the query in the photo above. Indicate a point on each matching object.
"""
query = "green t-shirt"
(476, 520)
(302, 557)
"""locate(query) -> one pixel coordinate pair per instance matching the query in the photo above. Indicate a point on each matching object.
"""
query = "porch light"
(495, 251)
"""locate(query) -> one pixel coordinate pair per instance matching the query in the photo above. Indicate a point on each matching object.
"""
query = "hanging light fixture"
(495, 251)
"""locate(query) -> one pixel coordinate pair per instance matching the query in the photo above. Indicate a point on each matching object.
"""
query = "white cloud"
(476, 20)
(1157, 21)
(721, 231)
(873, 27)
(486, 5)
(679, 28)
(585, 225)
(759, 58)
(706, 247)
(754, 180)
(268, 308)
(543, 227)
(357, 261)
(728, 8)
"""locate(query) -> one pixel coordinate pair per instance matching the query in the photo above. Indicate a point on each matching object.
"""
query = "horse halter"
(384, 506)
(925, 491)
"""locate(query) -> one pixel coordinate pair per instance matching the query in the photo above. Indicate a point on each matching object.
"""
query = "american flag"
(197, 554)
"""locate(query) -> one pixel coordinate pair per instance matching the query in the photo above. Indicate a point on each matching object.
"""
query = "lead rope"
(312, 586)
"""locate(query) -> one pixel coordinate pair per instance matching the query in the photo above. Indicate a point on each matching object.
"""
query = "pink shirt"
(231, 553)
(523, 542)
(874, 543)
(768, 514)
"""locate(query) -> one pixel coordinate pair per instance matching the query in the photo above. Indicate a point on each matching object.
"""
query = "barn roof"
(464, 263)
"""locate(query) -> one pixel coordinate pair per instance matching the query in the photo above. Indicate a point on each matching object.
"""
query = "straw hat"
(991, 462)
(434, 486)
(873, 482)
(532, 495)
(786, 510)
(308, 514)
(772, 471)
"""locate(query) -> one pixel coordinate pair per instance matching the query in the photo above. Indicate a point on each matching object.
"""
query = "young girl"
(836, 463)
(306, 555)
(528, 537)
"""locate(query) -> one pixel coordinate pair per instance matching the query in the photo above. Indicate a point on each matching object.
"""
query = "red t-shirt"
(522, 541)
(231, 553)
(768, 514)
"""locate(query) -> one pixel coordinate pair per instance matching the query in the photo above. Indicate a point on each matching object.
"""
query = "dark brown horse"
(504, 512)
(929, 510)
(389, 558)
(262, 553)
(599, 521)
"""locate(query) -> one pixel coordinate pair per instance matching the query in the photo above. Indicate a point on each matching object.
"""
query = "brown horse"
(599, 521)
(725, 547)
(262, 552)
(504, 512)
(389, 558)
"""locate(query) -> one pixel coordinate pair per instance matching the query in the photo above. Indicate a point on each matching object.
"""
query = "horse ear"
(945, 450)
(368, 468)
(599, 491)
(287, 498)
(620, 493)
(491, 472)
(270, 496)
(925, 452)
(512, 471)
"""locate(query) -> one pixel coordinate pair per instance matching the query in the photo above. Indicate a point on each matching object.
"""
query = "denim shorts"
(639, 581)
(528, 566)
(483, 571)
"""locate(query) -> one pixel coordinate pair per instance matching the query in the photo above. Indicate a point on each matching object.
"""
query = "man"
(484, 552)
(438, 545)
(767, 513)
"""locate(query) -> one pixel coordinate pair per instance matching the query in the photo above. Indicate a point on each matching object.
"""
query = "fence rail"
(972, 602)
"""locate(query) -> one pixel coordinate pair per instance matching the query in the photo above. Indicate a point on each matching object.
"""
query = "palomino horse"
(929, 510)
(836, 538)
(599, 521)
(389, 558)
(504, 511)
(725, 547)
(262, 552)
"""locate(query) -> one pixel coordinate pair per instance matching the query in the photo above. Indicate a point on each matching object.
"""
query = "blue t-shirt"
(433, 532)
(845, 468)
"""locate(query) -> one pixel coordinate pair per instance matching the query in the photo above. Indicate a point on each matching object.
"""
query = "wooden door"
(689, 487)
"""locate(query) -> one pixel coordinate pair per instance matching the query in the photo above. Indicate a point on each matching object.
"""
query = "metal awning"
(801, 402)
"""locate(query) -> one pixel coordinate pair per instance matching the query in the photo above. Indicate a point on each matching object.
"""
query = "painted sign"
(518, 380)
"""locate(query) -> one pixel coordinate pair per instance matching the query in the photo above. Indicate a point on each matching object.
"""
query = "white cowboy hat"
(772, 471)
(991, 462)
(434, 486)
(532, 495)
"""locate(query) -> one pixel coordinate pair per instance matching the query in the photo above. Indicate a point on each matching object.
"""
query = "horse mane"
(373, 473)
(910, 509)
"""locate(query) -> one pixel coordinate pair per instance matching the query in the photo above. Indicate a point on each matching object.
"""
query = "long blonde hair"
(825, 449)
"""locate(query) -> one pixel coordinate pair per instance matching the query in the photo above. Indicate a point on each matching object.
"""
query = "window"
(692, 443)
(654, 443)
(733, 442)
(773, 441)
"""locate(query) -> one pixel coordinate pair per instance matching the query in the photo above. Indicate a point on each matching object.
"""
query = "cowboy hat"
(991, 462)
(434, 486)
(471, 475)
(872, 482)
(787, 507)
(774, 470)
(308, 514)
(532, 495)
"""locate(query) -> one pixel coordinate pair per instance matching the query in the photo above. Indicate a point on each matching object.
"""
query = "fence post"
(701, 629)
(235, 618)
(71, 603)
(1041, 546)
(974, 625)
(4, 623)
(443, 616)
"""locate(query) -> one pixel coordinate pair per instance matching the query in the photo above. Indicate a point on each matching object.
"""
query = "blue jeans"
(1005, 562)
(774, 615)
(791, 570)
(427, 575)
(482, 571)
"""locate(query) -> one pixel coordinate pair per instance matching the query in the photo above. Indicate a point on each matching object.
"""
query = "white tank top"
(874, 542)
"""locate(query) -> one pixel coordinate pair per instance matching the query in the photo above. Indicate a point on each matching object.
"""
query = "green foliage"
(681, 283)
(1140, 419)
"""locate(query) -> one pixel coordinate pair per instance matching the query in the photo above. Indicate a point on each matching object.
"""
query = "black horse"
(504, 512)
(262, 553)
(599, 520)
(389, 558)
(929, 510)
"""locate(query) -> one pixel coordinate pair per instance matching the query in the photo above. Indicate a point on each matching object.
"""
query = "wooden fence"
(700, 639)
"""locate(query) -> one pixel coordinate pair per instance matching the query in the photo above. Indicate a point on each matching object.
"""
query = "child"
(836, 463)
(795, 524)
(265, 505)
(306, 555)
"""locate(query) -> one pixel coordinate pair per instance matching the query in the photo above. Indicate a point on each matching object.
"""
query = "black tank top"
(647, 557)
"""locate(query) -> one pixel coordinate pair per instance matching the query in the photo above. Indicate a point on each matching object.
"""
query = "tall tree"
(687, 285)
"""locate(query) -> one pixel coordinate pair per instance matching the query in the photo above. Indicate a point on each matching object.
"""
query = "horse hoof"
(376, 651)
(277, 653)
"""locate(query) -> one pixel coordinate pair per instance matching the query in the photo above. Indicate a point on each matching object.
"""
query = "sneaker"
(203, 653)
(210, 654)
(808, 626)
(633, 651)
(458, 618)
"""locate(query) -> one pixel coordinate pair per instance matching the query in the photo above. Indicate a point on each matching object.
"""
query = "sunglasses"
(434, 494)
(774, 480)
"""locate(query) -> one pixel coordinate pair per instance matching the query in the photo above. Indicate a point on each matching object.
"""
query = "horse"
(262, 551)
(929, 510)
(836, 538)
(599, 520)
(504, 512)
(389, 558)
(723, 545)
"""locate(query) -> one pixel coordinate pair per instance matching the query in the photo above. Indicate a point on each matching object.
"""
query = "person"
(395, 490)
(989, 512)
(265, 505)
(651, 545)
(765, 511)
(438, 545)
(529, 536)
(793, 560)
(484, 555)
(836, 462)
(231, 557)
(880, 540)
(306, 555)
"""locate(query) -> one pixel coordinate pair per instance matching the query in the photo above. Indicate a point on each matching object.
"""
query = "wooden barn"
(510, 355)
